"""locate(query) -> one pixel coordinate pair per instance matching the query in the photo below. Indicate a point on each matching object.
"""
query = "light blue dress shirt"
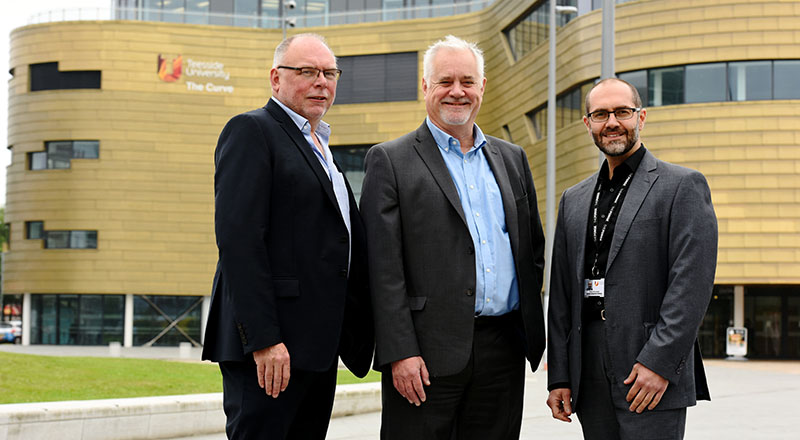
(323, 133)
(496, 290)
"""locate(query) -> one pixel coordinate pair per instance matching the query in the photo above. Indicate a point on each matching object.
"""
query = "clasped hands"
(646, 392)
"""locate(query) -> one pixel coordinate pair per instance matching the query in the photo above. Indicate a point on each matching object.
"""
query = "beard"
(618, 147)
(455, 117)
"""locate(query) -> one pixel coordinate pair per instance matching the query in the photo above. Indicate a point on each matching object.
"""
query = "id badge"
(595, 288)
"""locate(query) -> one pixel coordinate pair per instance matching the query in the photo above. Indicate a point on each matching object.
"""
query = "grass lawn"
(29, 378)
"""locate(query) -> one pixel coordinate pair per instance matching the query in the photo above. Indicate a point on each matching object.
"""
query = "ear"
(424, 87)
(483, 85)
(587, 123)
(642, 117)
(274, 80)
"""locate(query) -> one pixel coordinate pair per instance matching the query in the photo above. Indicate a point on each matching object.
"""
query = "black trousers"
(482, 402)
(302, 412)
(600, 418)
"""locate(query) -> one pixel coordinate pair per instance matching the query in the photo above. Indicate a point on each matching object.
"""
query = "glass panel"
(705, 83)
(351, 163)
(763, 322)
(148, 322)
(269, 14)
(57, 239)
(113, 318)
(665, 86)
(85, 149)
(639, 80)
(38, 160)
(787, 79)
(792, 343)
(390, 10)
(196, 11)
(34, 230)
(59, 154)
(539, 120)
(49, 317)
(315, 12)
(172, 11)
(83, 240)
(152, 10)
(246, 13)
(67, 319)
(749, 81)
(712, 334)
(90, 329)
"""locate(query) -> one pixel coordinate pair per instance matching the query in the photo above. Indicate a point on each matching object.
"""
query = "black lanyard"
(598, 239)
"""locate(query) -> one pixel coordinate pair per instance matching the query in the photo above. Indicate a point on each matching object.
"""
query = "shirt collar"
(629, 166)
(323, 128)
(447, 142)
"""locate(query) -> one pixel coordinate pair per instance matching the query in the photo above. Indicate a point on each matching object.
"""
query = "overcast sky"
(16, 13)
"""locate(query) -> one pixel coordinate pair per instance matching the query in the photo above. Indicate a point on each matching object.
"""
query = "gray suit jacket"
(659, 278)
(422, 260)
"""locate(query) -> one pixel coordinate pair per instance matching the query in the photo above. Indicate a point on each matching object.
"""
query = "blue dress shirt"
(496, 290)
(323, 133)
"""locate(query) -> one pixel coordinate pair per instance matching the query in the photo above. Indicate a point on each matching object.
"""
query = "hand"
(647, 389)
(272, 366)
(408, 375)
(559, 403)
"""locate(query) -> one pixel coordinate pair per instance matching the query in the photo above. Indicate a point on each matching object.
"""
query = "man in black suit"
(290, 291)
(456, 256)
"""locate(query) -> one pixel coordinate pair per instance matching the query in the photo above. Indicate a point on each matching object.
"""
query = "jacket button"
(470, 292)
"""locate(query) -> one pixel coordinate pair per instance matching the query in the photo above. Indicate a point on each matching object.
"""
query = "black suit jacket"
(422, 259)
(282, 274)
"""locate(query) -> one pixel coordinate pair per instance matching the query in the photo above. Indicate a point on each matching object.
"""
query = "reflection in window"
(350, 160)
(705, 83)
(246, 12)
(639, 80)
(58, 154)
(532, 29)
(197, 11)
(749, 81)
(77, 319)
(665, 86)
(787, 79)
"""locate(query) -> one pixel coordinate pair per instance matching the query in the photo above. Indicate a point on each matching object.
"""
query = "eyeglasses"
(311, 73)
(621, 114)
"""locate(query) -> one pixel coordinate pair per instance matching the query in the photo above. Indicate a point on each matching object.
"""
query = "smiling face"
(308, 98)
(454, 92)
(613, 137)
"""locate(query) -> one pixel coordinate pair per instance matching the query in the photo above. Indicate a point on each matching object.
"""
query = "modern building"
(113, 123)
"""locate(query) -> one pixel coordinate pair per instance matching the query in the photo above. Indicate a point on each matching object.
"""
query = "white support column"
(26, 319)
(127, 328)
(738, 306)
(204, 317)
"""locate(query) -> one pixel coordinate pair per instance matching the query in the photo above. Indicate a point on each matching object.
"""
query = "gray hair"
(450, 42)
(280, 51)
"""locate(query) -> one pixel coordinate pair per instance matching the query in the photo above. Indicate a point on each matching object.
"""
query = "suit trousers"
(482, 402)
(600, 418)
(301, 412)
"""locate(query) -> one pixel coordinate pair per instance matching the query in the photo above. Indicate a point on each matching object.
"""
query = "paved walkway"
(752, 400)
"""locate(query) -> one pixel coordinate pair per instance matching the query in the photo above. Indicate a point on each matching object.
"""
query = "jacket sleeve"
(242, 185)
(692, 257)
(559, 313)
(395, 335)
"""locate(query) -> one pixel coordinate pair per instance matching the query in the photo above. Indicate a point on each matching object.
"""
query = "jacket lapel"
(429, 152)
(301, 144)
(643, 180)
(498, 166)
(580, 220)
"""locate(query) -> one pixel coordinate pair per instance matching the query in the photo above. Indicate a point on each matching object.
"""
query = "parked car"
(8, 333)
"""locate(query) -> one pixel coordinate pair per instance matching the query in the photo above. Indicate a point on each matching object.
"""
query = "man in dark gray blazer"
(633, 268)
(456, 258)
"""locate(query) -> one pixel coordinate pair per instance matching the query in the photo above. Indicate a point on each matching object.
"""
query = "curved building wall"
(149, 194)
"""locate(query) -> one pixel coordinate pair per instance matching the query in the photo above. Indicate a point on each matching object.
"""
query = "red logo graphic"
(176, 69)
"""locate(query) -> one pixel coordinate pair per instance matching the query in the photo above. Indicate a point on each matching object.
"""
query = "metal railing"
(253, 21)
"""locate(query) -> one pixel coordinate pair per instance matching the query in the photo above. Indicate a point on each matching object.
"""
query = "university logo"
(176, 69)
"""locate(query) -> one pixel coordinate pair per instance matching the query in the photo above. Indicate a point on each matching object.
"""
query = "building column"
(127, 328)
(26, 319)
(738, 306)
(204, 307)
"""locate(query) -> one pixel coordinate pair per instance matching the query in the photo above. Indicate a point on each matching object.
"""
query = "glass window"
(71, 240)
(57, 240)
(713, 330)
(750, 81)
(76, 319)
(351, 162)
(58, 155)
(538, 118)
(197, 11)
(85, 149)
(172, 11)
(507, 133)
(705, 83)
(787, 79)
(152, 314)
(246, 13)
(763, 322)
(34, 230)
(37, 160)
(378, 78)
(665, 86)
(151, 10)
(269, 14)
(638, 79)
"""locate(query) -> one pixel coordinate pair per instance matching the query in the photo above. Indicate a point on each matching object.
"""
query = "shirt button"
(477, 214)
(472, 187)
(483, 241)
(489, 270)
(488, 300)
(611, 190)
(470, 292)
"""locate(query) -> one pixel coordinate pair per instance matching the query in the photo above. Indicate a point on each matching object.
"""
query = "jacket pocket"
(286, 288)
(417, 303)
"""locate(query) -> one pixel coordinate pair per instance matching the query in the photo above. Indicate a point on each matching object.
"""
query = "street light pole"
(607, 49)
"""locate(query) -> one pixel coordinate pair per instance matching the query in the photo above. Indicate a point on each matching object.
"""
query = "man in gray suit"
(456, 255)
(633, 269)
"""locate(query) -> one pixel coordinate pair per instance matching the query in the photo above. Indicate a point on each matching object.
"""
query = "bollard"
(185, 350)
(114, 349)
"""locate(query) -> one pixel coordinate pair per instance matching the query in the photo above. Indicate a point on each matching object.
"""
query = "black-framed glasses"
(621, 114)
(311, 73)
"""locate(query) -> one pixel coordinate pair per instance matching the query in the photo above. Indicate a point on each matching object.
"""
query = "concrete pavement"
(752, 400)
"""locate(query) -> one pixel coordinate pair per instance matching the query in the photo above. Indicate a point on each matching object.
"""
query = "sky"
(13, 14)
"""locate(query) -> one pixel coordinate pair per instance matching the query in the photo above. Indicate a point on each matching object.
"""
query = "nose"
(457, 90)
(320, 79)
(612, 117)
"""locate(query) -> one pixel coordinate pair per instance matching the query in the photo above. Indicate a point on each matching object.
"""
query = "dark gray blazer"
(659, 278)
(422, 260)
